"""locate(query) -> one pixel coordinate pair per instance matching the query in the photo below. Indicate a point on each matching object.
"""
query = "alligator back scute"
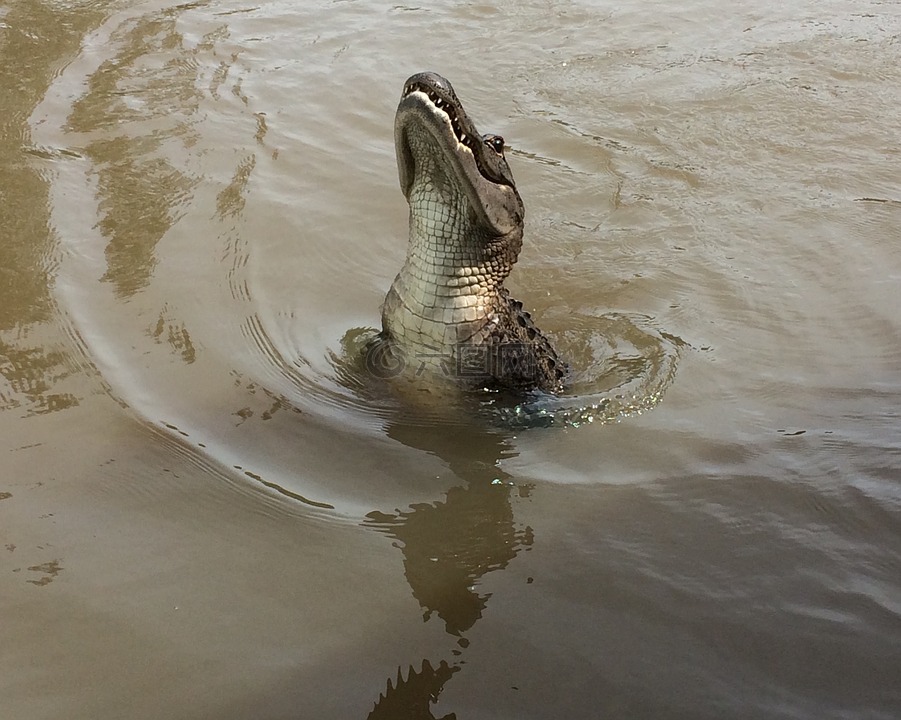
(525, 358)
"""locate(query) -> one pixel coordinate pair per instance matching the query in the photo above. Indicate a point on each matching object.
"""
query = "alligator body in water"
(448, 302)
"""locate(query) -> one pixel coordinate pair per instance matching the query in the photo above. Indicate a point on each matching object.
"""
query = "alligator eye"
(496, 143)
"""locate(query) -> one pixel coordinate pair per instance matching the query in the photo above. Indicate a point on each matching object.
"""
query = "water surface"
(203, 514)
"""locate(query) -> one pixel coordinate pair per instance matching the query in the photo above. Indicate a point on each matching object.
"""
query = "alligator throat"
(448, 306)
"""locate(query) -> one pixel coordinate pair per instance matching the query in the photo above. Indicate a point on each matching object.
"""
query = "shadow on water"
(449, 545)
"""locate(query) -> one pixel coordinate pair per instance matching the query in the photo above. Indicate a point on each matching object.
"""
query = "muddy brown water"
(199, 518)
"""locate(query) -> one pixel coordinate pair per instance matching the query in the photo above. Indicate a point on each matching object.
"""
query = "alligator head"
(431, 124)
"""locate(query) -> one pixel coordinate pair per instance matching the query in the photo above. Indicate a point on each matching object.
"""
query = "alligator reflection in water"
(622, 367)
(448, 546)
(412, 696)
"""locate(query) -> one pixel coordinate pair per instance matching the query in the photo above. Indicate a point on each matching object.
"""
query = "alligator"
(448, 302)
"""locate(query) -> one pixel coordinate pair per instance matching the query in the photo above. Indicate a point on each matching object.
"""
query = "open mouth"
(445, 107)
(464, 131)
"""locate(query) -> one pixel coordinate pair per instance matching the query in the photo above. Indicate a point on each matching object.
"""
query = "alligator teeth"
(446, 107)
